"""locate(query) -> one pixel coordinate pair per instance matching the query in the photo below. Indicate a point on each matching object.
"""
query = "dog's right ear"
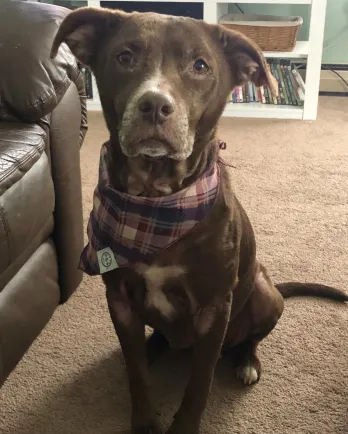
(83, 30)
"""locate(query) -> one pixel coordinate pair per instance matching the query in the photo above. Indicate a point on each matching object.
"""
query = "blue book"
(251, 92)
(234, 97)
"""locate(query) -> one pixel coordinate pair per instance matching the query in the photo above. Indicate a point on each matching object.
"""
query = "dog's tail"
(292, 289)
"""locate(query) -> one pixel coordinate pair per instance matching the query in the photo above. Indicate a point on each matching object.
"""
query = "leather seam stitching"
(27, 248)
(35, 151)
(50, 98)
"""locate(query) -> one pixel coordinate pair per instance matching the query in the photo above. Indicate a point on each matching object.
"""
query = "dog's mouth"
(154, 148)
(150, 148)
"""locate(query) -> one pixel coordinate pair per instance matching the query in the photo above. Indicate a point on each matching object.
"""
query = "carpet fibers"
(292, 178)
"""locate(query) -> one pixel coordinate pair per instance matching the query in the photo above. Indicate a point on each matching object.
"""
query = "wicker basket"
(271, 33)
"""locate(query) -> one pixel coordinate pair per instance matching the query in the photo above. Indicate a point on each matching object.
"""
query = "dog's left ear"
(245, 59)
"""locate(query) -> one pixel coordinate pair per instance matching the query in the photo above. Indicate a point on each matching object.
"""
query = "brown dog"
(163, 83)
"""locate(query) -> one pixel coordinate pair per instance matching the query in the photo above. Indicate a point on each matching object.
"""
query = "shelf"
(287, 2)
(258, 110)
(249, 110)
(300, 51)
(93, 2)
(93, 105)
(309, 51)
(279, 2)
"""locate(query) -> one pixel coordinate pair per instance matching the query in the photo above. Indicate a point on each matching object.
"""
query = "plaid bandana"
(125, 229)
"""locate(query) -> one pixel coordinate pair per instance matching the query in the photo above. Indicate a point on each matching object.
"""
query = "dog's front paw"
(249, 372)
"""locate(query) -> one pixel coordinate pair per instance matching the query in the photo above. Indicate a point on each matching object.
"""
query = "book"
(251, 92)
(274, 98)
(270, 98)
(301, 94)
(266, 93)
(290, 87)
(234, 96)
(236, 91)
(281, 85)
(260, 94)
(246, 92)
(291, 92)
(262, 91)
(275, 75)
(243, 93)
(294, 86)
(256, 95)
(285, 92)
(240, 94)
(87, 76)
(299, 79)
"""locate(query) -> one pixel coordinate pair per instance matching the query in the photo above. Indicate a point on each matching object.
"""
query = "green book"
(274, 69)
(290, 86)
(268, 95)
(246, 93)
(275, 75)
(283, 80)
(282, 85)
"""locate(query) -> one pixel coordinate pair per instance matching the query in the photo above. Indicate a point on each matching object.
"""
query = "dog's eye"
(125, 58)
(200, 66)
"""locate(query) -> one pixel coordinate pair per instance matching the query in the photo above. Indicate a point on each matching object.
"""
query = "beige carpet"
(292, 178)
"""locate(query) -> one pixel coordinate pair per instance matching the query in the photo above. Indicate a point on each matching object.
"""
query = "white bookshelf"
(309, 51)
(300, 51)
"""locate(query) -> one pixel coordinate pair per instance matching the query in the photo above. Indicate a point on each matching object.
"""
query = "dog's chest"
(172, 306)
(179, 331)
(179, 334)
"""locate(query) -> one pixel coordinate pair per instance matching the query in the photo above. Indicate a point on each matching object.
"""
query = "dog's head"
(163, 81)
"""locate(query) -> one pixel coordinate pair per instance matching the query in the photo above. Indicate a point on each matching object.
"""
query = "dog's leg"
(258, 318)
(246, 363)
(206, 353)
(130, 330)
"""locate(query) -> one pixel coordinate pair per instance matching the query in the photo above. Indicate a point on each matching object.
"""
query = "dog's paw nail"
(248, 375)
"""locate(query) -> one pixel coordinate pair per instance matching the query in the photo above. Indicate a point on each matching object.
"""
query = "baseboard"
(330, 82)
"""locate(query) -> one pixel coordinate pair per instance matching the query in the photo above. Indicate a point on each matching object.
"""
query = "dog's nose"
(155, 106)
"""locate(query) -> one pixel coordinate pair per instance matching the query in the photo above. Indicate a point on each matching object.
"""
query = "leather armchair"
(42, 126)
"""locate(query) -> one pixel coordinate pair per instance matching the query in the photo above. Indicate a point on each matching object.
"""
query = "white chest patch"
(155, 277)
